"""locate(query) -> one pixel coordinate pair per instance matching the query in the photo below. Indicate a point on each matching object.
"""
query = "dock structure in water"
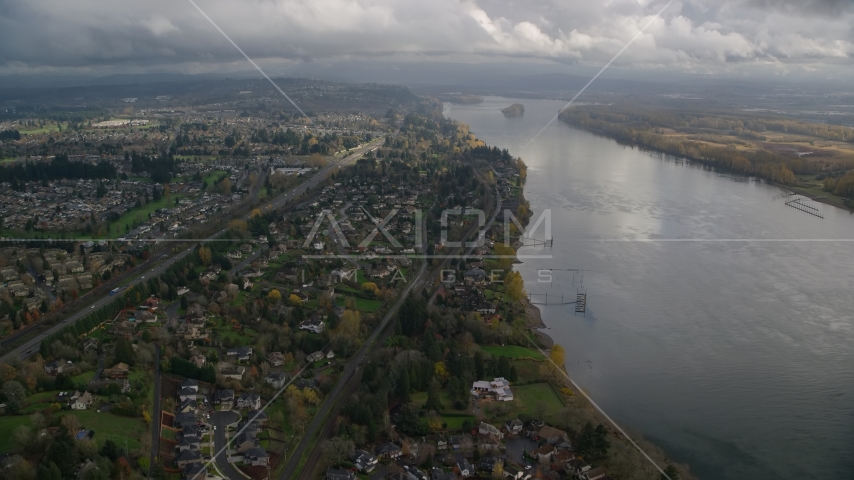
(799, 203)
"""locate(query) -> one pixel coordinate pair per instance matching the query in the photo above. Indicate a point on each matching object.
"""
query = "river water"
(732, 349)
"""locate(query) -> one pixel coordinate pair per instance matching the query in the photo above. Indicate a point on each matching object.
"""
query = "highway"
(32, 346)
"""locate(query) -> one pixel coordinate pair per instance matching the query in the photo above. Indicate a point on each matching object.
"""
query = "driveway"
(99, 370)
(221, 420)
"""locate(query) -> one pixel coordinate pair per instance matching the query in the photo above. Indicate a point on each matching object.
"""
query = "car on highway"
(93, 306)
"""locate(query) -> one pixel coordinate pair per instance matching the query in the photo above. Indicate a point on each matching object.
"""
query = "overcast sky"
(779, 37)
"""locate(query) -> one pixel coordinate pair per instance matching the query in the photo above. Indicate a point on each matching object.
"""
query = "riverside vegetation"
(814, 159)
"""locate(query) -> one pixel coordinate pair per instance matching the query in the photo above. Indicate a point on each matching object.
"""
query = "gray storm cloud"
(90, 35)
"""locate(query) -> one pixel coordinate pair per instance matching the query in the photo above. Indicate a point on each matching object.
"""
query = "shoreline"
(824, 199)
(535, 324)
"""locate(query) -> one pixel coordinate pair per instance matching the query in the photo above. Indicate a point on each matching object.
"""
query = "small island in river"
(515, 110)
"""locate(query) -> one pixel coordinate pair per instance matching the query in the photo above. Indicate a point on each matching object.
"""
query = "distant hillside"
(462, 99)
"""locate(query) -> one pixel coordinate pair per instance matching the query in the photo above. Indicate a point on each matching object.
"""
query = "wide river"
(720, 321)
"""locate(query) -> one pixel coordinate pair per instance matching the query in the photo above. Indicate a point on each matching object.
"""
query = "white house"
(81, 401)
(314, 325)
(498, 389)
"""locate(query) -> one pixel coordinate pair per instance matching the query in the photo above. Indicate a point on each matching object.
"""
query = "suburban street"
(221, 420)
(31, 347)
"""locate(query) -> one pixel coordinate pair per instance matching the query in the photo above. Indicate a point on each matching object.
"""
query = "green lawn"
(38, 402)
(512, 351)
(111, 426)
(136, 374)
(8, 425)
(529, 397)
(362, 304)
(84, 377)
(212, 176)
(456, 422)
(4, 161)
(51, 128)
(117, 228)
(420, 398)
(105, 425)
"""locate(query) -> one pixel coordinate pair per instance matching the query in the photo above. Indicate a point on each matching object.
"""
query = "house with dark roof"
(225, 398)
(364, 461)
(340, 474)
(277, 379)
(187, 394)
(487, 463)
(187, 457)
(389, 450)
(412, 473)
(515, 472)
(190, 383)
(189, 443)
(195, 471)
(249, 400)
(242, 354)
(257, 416)
(187, 406)
(256, 456)
(183, 419)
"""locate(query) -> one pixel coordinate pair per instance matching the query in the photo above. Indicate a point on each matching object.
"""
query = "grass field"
(4, 161)
(512, 351)
(213, 176)
(110, 426)
(84, 377)
(530, 398)
(38, 402)
(140, 214)
(8, 425)
(456, 422)
(420, 398)
(363, 304)
(105, 426)
(36, 131)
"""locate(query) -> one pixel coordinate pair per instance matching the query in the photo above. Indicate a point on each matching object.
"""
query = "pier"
(799, 204)
(580, 300)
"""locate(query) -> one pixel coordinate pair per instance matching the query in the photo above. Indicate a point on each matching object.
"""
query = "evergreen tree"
(434, 403)
(479, 367)
(403, 387)
(110, 450)
(124, 351)
(48, 471)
